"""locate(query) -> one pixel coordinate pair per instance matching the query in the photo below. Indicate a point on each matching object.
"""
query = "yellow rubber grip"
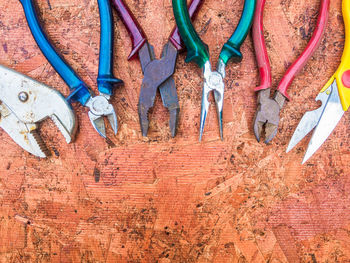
(342, 75)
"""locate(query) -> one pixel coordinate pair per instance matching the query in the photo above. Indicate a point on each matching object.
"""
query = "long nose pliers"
(158, 74)
(198, 52)
(335, 98)
(268, 111)
(99, 106)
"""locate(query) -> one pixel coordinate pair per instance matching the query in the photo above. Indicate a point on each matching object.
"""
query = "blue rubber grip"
(79, 90)
(106, 79)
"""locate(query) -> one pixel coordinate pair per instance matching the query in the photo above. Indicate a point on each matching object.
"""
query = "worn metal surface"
(135, 199)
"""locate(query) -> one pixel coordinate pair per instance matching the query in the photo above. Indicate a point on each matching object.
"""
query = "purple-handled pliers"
(157, 73)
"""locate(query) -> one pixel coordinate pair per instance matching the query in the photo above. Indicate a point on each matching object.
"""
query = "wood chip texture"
(159, 199)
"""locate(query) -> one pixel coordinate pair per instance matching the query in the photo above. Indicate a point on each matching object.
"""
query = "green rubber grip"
(197, 51)
(231, 50)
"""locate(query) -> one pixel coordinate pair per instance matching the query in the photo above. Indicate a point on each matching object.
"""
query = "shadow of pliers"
(268, 112)
(158, 73)
(198, 52)
(99, 105)
(24, 103)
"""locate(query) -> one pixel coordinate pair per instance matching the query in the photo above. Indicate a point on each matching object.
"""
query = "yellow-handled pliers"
(335, 98)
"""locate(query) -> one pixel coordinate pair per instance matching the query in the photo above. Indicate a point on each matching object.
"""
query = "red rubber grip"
(136, 33)
(260, 47)
(175, 37)
(309, 50)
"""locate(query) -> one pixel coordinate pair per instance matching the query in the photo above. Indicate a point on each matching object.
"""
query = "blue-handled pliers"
(99, 105)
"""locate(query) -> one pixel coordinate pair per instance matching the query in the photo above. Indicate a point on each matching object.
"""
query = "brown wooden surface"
(176, 200)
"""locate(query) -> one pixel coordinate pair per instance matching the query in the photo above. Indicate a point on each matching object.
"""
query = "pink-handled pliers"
(268, 111)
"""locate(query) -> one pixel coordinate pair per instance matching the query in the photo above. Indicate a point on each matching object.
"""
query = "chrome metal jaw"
(99, 108)
(213, 81)
(323, 120)
(26, 102)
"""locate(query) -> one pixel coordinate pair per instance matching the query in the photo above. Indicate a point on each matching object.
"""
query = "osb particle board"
(163, 199)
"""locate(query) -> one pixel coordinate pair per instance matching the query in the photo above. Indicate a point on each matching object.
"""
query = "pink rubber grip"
(260, 47)
(298, 65)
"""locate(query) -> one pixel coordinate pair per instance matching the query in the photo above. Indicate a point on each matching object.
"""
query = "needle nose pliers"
(268, 111)
(158, 74)
(99, 105)
(198, 52)
(335, 98)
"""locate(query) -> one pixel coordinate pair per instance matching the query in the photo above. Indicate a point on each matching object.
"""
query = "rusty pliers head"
(24, 103)
(268, 114)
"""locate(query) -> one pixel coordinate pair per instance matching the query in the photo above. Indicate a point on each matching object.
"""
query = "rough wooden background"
(176, 200)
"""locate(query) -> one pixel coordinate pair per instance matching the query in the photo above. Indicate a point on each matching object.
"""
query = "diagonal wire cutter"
(268, 112)
(158, 73)
(198, 52)
(99, 106)
(335, 99)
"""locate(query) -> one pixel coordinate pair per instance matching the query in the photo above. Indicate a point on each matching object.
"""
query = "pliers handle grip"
(197, 51)
(260, 47)
(231, 49)
(137, 35)
(342, 75)
(79, 91)
(175, 36)
(298, 65)
(105, 79)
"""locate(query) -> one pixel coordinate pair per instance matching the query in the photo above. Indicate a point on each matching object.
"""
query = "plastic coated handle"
(342, 75)
(260, 47)
(79, 90)
(175, 37)
(136, 33)
(231, 50)
(310, 49)
(106, 79)
(197, 51)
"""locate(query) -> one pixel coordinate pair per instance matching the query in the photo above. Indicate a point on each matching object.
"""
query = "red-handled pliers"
(268, 110)
(157, 73)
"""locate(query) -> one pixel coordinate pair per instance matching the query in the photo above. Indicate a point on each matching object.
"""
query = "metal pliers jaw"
(323, 120)
(213, 81)
(99, 108)
(26, 102)
(267, 115)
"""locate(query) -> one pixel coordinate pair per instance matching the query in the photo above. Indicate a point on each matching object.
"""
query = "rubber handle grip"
(197, 51)
(310, 49)
(175, 37)
(231, 49)
(79, 90)
(260, 47)
(138, 37)
(342, 75)
(105, 78)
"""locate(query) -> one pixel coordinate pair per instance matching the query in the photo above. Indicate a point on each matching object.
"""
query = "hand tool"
(335, 98)
(268, 111)
(198, 52)
(99, 105)
(157, 73)
(24, 103)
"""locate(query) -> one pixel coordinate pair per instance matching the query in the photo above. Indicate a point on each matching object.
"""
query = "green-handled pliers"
(198, 52)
